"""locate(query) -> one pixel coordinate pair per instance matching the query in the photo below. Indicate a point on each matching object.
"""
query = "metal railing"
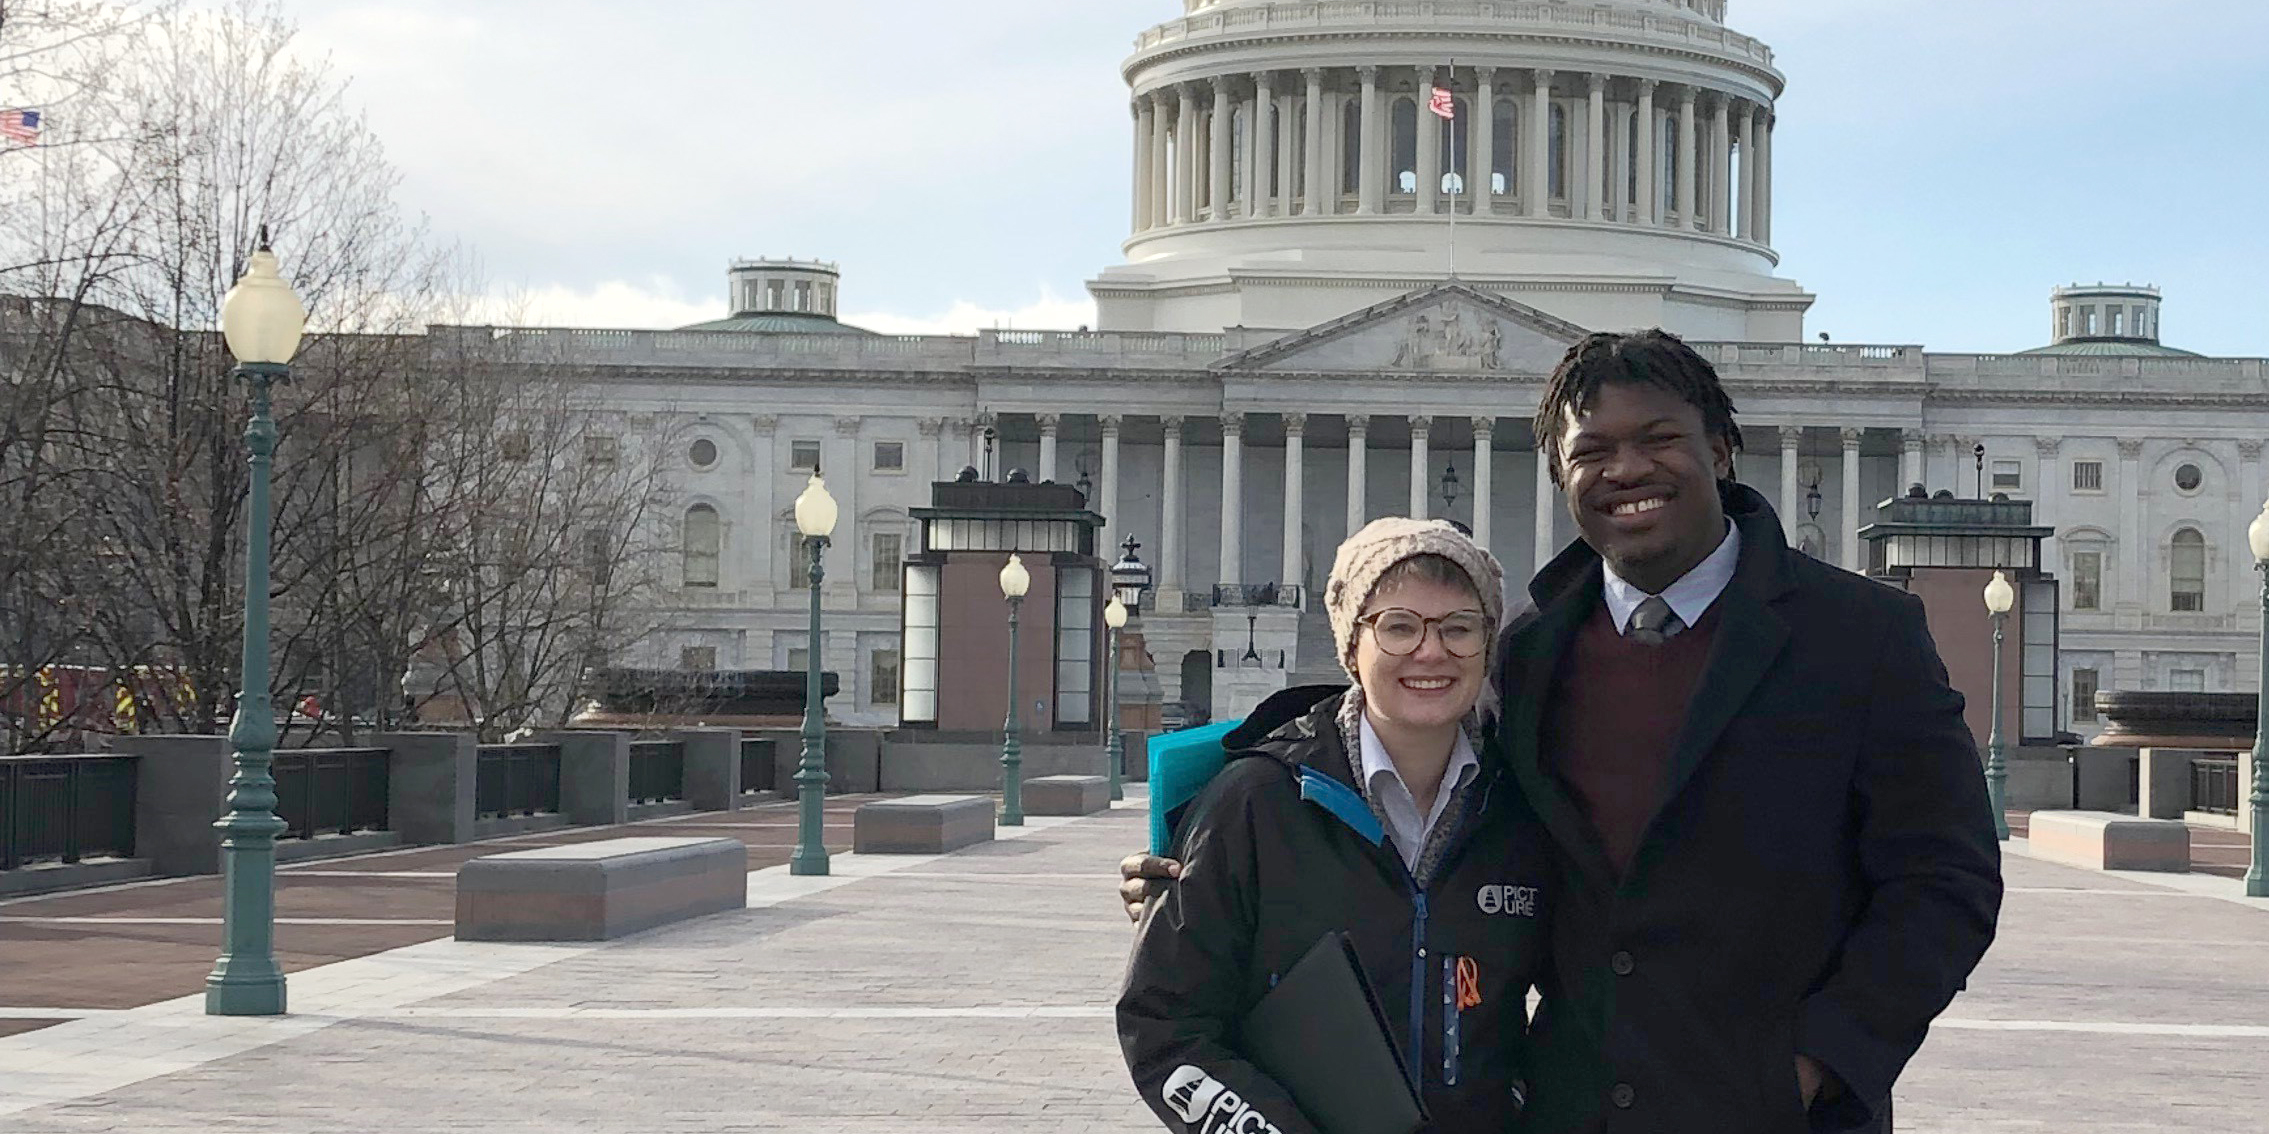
(2213, 784)
(65, 808)
(757, 754)
(331, 791)
(657, 771)
(516, 779)
(1256, 594)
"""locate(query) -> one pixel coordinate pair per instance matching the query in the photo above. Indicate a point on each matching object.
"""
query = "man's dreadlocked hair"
(1654, 358)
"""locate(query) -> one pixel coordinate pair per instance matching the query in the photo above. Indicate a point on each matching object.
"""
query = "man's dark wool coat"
(1821, 877)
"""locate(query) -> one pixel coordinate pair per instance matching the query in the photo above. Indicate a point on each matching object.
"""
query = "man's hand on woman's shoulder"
(1143, 877)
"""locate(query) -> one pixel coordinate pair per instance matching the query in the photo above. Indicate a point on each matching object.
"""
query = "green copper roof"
(2112, 348)
(780, 323)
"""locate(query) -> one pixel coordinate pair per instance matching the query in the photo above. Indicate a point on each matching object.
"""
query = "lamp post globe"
(815, 519)
(2257, 874)
(1015, 581)
(1114, 744)
(2000, 597)
(261, 320)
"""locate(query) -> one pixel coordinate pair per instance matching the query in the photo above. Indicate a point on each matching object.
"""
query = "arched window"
(1558, 162)
(1666, 192)
(2188, 570)
(1240, 125)
(1456, 152)
(1630, 151)
(1504, 146)
(1351, 147)
(1298, 120)
(1402, 153)
(704, 546)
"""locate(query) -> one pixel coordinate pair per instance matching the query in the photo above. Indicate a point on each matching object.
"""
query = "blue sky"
(1940, 165)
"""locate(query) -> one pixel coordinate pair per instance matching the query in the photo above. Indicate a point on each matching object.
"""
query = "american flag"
(20, 126)
(1444, 103)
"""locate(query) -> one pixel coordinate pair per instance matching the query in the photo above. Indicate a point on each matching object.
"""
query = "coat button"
(1622, 964)
(1623, 1096)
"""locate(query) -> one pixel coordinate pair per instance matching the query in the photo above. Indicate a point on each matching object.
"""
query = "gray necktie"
(1654, 622)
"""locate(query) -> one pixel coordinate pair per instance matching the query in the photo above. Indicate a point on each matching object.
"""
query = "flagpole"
(1457, 175)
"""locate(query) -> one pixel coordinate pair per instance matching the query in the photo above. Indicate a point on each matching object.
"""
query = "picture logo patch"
(1511, 901)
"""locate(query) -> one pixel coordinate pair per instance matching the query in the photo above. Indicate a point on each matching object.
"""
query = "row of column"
(1792, 503)
(1299, 121)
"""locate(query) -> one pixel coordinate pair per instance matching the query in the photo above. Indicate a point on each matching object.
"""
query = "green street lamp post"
(815, 518)
(2257, 876)
(262, 321)
(1015, 581)
(1999, 597)
(1114, 747)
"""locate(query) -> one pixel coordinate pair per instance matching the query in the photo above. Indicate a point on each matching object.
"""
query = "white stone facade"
(1279, 365)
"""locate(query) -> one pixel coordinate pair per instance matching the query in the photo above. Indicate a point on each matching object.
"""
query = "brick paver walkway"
(971, 993)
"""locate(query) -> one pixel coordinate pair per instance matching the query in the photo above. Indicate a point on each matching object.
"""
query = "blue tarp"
(1181, 764)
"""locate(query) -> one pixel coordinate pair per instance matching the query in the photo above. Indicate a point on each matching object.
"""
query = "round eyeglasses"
(1464, 633)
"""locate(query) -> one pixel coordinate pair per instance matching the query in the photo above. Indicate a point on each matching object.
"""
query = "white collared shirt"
(1689, 597)
(1383, 783)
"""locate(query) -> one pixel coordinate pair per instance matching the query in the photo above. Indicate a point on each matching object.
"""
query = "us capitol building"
(1292, 346)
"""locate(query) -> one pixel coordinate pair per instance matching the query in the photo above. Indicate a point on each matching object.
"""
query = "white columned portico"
(1258, 202)
(1792, 492)
(1721, 161)
(1367, 162)
(1547, 499)
(1595, 155)
(1185, 154)
(1358, 463)
(928, 452)
(1484, 477)
(1051, 424)
(1143, 124)
(1295, 480)
(1110, 424)
(1910, 459)
(1481, 178)
(1429, 145)
(1687, 215)
(1536, 182)
(1171, 517)
(1312, 156)
(1421, 461)
(1223, 130)
(1232, 498)
(1650, 192)
(1851, 439)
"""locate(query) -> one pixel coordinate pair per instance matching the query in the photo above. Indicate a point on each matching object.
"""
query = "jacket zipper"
(1418, 988)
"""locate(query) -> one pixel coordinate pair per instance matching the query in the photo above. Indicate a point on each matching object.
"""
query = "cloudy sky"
(1941, 164)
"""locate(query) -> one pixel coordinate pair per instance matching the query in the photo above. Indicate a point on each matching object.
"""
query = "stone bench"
(2103, 840)
(922, 824)
(600, 890)
(1067, 795)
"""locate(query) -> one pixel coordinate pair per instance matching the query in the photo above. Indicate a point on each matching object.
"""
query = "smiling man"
(1779, 865)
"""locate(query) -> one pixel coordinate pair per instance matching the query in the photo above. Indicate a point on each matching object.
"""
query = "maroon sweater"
(1616, 711)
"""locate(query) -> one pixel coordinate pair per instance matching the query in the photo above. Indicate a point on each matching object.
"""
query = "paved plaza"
(971, 992)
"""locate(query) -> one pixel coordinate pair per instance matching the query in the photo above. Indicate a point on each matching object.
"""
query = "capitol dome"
(1609, 164)
(2107, 321)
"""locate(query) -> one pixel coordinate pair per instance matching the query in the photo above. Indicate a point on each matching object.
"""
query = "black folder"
(1321, 1035)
